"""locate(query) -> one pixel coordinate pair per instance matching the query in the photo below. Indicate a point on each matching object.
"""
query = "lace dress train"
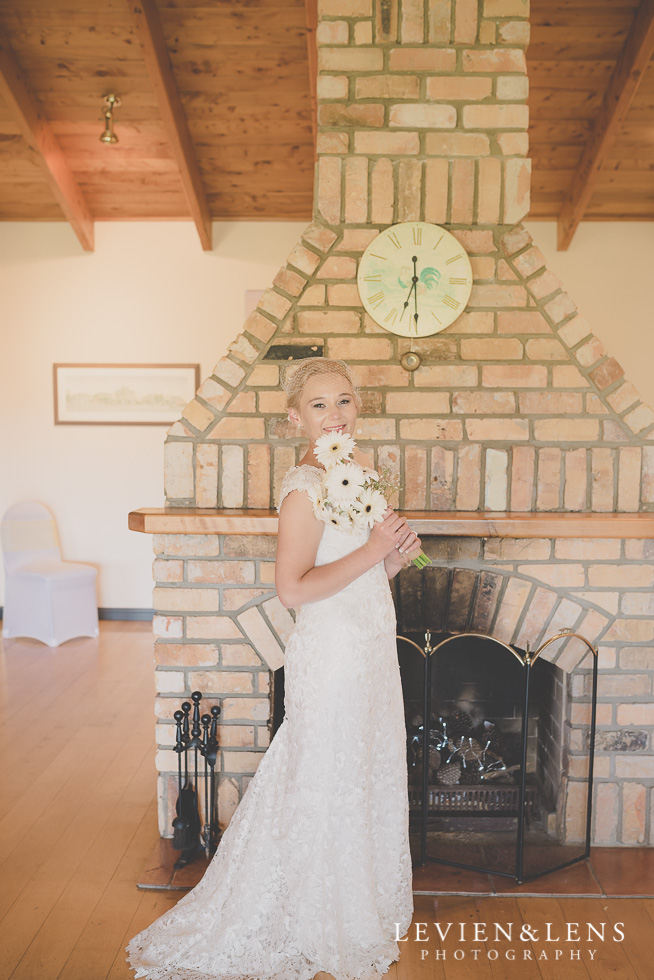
(313, 871)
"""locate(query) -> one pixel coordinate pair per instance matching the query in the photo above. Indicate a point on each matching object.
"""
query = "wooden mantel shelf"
(476, 523)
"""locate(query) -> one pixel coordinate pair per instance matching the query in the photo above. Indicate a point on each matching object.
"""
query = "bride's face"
(327, 405)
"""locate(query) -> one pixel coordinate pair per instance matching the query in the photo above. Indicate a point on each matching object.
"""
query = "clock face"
(415, 279)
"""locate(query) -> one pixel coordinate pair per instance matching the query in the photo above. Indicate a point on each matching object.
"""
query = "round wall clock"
(414, 279)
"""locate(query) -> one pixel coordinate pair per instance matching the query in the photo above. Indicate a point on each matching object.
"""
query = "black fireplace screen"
(502, 790)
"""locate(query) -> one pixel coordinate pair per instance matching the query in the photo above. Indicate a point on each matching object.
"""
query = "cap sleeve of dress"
(305, 478)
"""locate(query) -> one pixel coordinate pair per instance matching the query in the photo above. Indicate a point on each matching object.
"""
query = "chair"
(46, 598)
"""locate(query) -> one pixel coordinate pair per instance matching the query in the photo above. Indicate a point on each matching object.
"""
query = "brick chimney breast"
(422, 116)
(425, 120)
(517, 406)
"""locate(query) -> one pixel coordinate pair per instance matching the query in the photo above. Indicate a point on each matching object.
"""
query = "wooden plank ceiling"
(241, 70)
(571, 58)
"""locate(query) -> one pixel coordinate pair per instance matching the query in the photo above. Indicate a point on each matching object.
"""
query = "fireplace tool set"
(198, 735)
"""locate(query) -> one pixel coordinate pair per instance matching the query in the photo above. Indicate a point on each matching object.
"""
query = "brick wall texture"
(423, 115)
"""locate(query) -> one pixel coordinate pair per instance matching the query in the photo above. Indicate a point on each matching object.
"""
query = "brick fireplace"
(526, 456)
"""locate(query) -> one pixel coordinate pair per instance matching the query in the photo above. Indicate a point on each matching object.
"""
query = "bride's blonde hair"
(297, 373)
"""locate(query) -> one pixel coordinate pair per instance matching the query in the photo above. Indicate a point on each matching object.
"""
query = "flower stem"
(421, 560)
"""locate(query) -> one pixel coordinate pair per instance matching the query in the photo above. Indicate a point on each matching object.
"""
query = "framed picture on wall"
(122, 394)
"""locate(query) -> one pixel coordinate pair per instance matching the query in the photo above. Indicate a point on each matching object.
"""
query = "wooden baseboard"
(114, 612)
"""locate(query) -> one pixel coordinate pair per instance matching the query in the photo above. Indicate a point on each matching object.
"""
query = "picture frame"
(122, 394)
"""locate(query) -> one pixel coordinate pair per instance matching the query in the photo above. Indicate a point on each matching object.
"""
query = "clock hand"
(414, 280)
(407, 300)
(415, 294)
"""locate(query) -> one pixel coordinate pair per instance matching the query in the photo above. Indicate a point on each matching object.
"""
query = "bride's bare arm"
(297, 578)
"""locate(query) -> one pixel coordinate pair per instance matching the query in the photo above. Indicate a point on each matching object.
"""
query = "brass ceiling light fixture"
(110, 103)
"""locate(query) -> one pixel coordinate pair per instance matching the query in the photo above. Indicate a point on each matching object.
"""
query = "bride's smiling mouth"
(338, 429)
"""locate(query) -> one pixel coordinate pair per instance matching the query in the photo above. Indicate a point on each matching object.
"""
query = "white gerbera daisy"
(372, 505)
(339, 519)
(332, 449)
(343, 483)
(358, 521)
(319, 503)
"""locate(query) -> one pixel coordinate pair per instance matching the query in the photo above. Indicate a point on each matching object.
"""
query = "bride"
(313, 872)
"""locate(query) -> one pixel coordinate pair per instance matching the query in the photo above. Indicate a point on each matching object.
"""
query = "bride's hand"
(410, 547)
(409, 544)
(390, 533)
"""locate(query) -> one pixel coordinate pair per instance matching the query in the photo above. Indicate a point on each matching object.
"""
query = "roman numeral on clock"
(377, 299)
(375, 278)
(451, 302)
(454, 258)
(394, 239)
(391, 316)
(417, 236)
(457, 282)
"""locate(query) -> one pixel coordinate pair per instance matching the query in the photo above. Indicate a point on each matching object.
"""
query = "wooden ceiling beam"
(626, 78)
(145, 16)
(37, 132)
(311, 8)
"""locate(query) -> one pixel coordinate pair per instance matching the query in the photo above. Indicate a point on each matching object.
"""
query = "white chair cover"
(45, 598)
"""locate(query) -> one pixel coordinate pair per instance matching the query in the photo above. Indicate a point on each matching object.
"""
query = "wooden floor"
(78, 824)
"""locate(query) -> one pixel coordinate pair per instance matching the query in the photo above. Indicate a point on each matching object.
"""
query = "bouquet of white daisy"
(350, 496)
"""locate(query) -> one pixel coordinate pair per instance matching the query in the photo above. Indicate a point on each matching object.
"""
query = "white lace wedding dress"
(314, 870)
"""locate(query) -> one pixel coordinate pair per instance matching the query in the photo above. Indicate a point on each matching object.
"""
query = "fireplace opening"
(508, 784)
(501, 795)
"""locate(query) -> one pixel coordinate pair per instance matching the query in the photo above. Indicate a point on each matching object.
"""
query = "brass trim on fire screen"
(412, 642)
(527, 659)
(565, 631)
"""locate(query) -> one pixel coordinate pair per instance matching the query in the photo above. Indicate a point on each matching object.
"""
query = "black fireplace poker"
(191, 834)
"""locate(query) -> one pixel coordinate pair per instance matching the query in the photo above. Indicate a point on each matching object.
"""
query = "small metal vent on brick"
(293, 352)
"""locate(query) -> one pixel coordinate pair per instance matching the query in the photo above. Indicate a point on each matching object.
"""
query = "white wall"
(609, 272)
(149, 293)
